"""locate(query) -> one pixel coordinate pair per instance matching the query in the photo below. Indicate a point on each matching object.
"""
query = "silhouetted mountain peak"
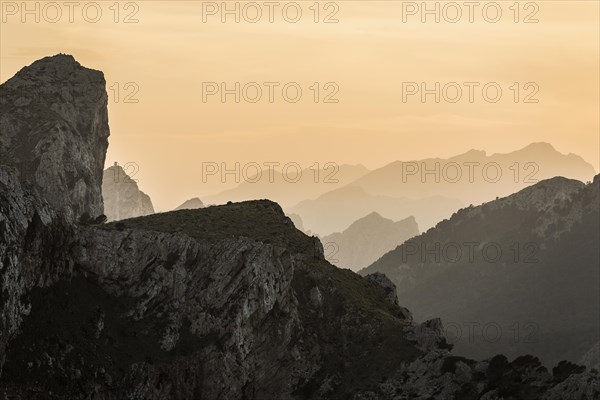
(122, 196)
(373, 219)
(191, 204)
(539, 147)
(367, 239)
(472, 154)
(368, 222)
(374, 216)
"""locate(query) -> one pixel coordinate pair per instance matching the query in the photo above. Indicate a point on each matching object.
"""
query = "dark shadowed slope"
(542, 291)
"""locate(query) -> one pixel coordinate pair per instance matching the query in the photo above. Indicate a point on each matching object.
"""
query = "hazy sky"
(368, 57)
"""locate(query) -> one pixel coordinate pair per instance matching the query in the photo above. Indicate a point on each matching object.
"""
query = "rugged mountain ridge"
(527, 263)
(474, 176)
(222, 302)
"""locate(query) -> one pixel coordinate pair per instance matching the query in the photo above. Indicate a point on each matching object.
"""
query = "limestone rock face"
(122, 197)
(32, 242)
(54, 130)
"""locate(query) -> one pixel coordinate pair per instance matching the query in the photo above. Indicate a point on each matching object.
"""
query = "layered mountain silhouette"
(432, 189)
(475, 177)
(336, 210)
(328, 200)
(287, 188)
(525, 266)
(224, 302)
(366, 240)
(122, 196)
(191, 204)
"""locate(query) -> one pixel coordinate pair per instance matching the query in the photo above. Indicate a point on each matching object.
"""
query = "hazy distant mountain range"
(474, 177)
(366, 240)
(122, 196)
(543, 288)
(289, 188)
(335, 210)
(428, 189)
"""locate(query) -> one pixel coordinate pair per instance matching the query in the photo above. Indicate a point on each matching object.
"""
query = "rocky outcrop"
(223, 302)
(386, 284)
(191, 204)
(122, 197)
(54, 130)
(439, 376)
(367, 239)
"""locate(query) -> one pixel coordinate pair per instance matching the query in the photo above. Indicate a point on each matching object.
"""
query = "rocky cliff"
(54, 123)
(219, 303)
(122, 197)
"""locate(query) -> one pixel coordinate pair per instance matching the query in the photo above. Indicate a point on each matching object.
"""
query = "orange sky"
(368, 54)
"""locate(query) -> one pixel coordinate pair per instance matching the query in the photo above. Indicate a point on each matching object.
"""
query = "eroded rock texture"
(54, 124)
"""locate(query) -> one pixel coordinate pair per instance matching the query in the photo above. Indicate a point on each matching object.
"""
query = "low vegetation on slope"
(260, 220)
